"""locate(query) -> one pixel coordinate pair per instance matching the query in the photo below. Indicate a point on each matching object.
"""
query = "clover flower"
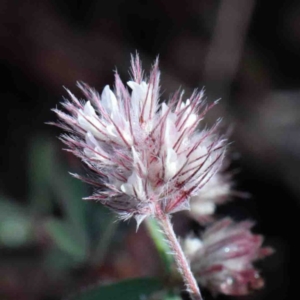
(223, 260)
(145, 156)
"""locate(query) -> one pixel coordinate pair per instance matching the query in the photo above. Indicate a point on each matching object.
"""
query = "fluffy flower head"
(143, 153)
(223, 260)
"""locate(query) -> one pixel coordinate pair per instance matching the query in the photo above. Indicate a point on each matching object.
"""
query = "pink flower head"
(142, 154)
(223, 260)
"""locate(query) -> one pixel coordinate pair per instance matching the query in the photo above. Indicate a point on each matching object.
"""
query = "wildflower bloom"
(223, 260)
(145, 157)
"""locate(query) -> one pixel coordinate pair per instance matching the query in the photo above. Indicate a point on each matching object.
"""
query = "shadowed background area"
(243, 51)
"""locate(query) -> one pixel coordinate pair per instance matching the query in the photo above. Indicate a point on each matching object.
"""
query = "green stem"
(180, 259)
(160, 243)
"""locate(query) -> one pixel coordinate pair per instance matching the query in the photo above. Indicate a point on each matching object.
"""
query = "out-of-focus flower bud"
(222, 261)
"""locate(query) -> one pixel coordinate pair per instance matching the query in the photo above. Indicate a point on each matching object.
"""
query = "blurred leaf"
(83, 222)
(99, 217)
(16, 227)
(58, 261)
(104, 242)
(171, 296)
(70, 192)
(133, 289)
(102, 226)
(160, 244)
(165, 295)
(66, 238)
(40, 172)
(47, 177)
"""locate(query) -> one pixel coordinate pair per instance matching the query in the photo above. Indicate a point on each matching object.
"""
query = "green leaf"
(104, 242)
(104, 230)
(57, 262)
(40, 171)
(65, 237)
(16, 226)
(70, 192)
(172, 296)
(48, 177)
(133, 289)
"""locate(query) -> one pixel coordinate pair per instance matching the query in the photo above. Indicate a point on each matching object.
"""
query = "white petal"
(127, 189)
(91, 123)
(164, 108)
(111, 130)
(90, 140)
(109, 100)
(134, 187)
(192, 245)
(132, 84)
(170, 134)
(139, 219)
(190, 121)
(138, 164)
(170, 164)
(202, 208)
(138, 96)
(89, 110)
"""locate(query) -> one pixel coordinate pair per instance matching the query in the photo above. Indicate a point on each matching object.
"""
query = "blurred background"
(246, 52)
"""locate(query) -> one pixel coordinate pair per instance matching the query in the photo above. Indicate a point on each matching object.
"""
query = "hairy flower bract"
(144, 154)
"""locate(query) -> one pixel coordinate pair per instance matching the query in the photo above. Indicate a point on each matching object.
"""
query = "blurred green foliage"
(51, 186)
(134, 289)
(16, 226)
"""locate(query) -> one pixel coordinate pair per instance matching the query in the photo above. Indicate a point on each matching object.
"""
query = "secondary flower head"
(223, 260)
(145, 155)
(216, 191)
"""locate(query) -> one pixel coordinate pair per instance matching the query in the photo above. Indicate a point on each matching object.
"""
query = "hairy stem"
(160, 243)
(182, 264)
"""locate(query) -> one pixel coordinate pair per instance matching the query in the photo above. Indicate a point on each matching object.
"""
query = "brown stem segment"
(182, 264)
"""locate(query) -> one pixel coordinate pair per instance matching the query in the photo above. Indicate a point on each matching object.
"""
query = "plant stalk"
(181, 261)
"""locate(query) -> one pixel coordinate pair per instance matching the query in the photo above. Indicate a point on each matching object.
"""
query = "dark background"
(243, 51)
